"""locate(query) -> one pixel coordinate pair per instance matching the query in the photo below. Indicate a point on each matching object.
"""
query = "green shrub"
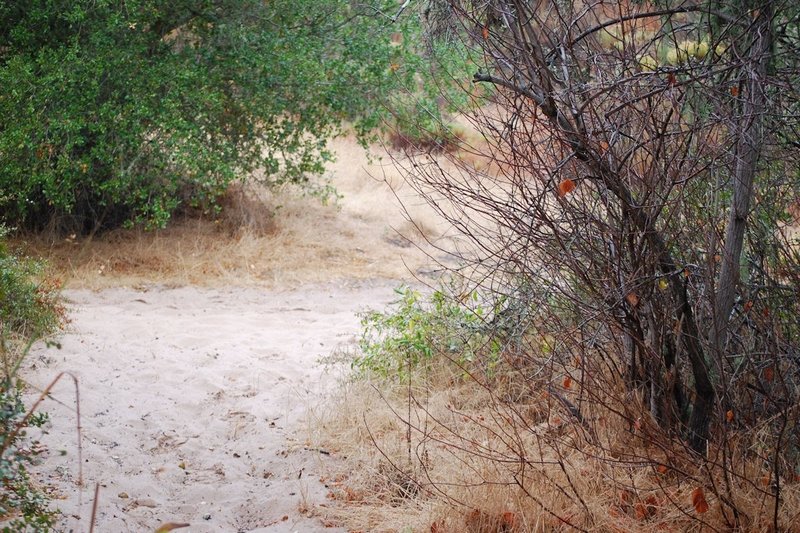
(29, 310)
(418, 330)
(119, 113)
(24, 506)
(29, 305)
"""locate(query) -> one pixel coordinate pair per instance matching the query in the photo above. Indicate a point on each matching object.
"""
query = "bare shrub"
(630, 238)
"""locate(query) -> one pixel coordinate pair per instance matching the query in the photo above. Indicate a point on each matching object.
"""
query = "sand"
(199, 361)
(193, 404)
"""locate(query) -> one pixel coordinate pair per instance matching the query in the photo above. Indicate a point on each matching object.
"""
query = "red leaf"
(734, 91)
(566, 187)
(567, 382)
(671, 79)
(769, 373)
(485, 33)
(699, 500)
(641, 511)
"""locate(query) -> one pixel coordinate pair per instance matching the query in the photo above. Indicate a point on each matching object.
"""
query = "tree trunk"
(748, 148)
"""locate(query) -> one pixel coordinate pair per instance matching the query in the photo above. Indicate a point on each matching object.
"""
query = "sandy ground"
(197, 354)
(193, 403)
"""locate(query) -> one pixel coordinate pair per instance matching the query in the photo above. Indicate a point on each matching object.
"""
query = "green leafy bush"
(121, 113)
(419, 329)
(421, 115)
(29, 305)
(24, 506)
(29, 309)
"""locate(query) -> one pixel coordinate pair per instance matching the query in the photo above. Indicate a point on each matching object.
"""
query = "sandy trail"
(193, 399)
(192, 404)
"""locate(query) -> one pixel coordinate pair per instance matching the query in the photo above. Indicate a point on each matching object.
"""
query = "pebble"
(147, 502)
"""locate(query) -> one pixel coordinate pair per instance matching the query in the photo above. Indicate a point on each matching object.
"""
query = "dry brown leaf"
(632, 299)
(169, 526)
(640, 510)
(509, 520)
(699, 500)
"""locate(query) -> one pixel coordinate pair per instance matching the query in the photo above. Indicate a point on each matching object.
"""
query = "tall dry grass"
(459, 451)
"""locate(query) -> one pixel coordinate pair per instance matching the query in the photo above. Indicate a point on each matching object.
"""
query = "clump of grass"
(427, 140)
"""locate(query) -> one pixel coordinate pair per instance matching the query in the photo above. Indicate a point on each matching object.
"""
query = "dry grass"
(266, 238)
(479, 462)
(463, 472)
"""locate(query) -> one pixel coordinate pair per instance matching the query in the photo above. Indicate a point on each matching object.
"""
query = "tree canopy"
(119, 112)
